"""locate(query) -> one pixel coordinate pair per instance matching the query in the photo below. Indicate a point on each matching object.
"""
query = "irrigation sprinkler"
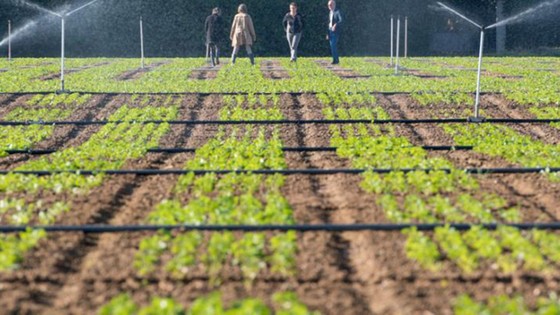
(516, 18)
(62, 17)
(392, 34)
(141, 43)
(476, 117)
(406, 36)
(398, 44)
(9, 40)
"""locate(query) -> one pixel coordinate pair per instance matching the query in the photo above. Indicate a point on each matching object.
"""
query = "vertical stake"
(406, 36)
(392, 34)
(398, 42)
(141, 43)
(62, 55)
(9, 40)
(477, 117)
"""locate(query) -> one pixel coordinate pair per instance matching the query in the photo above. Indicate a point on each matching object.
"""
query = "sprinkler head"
(476, 120)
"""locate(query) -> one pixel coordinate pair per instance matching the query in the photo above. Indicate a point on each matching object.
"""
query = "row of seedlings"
(22, 196)
(39, 108)
(502, 141)
(435, 197)
(230, 199)
(284, 303)
(31, 79)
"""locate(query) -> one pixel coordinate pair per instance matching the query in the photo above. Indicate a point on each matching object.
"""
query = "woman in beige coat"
(242, 33)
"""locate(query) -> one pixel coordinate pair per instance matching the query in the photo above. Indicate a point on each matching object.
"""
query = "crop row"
(285, 303)
(228, 199)
(427, 197)
(49, 107)
(502, 304)
(502, 141)
(456, 85)
(109, 148)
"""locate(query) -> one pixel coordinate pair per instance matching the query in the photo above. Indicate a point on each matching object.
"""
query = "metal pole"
(392, 34)
(62, 56)
(141, 43)
(398, 42)
(477, 101)
(9, 40)
(406, 36)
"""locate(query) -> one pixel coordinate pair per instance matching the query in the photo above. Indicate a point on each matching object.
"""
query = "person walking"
(335, 22)
(214, 27)
(293, 25)
(242, 33)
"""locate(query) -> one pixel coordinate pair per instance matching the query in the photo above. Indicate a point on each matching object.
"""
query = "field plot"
(454, 217)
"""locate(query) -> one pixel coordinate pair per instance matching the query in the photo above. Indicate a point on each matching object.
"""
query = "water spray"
(398, 44)
(476, 117)
(392, 33)
(62, 16)
(141, 43)
(525, 14)
(516, 18)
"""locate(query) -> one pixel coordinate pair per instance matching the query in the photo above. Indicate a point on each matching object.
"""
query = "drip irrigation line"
(153, 172)
(385, 93)
(274, 227)
(281, 122)
(285, 149)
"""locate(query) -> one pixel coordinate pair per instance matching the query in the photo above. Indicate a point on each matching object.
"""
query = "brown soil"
(424, 75)
(272, 69)
(136, 74)
(338, 273)
(206, 72)
(379, 62)
(340, 71)
(56, 75)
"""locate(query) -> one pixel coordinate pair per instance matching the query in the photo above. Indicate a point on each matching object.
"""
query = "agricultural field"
(281, 188)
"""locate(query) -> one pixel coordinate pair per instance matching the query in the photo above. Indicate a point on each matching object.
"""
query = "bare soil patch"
(344, 73)
(272, 69)
(138, 73)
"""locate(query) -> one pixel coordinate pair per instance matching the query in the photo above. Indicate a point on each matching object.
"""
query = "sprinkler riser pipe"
(62, 55)
(9, 40)
(406, 36)
(398, 44)
(481, 51)
(141, 44)
(392, 35)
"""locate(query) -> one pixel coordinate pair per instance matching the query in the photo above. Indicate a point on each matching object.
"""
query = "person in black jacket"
(214, 27)
(293, 24)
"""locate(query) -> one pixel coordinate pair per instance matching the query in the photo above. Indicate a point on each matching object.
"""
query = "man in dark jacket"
(293, 25)
(335, 22)
(214, 27)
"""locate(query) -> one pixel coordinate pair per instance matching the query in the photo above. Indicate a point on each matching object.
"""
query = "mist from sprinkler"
(516, 18)
(63, 14)
(18, 32)
(527, 14)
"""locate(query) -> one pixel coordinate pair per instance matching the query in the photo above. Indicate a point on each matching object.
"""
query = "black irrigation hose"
(152, 172)
(389, 93)
(283, 121)
(285, 149)
(272, 227)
